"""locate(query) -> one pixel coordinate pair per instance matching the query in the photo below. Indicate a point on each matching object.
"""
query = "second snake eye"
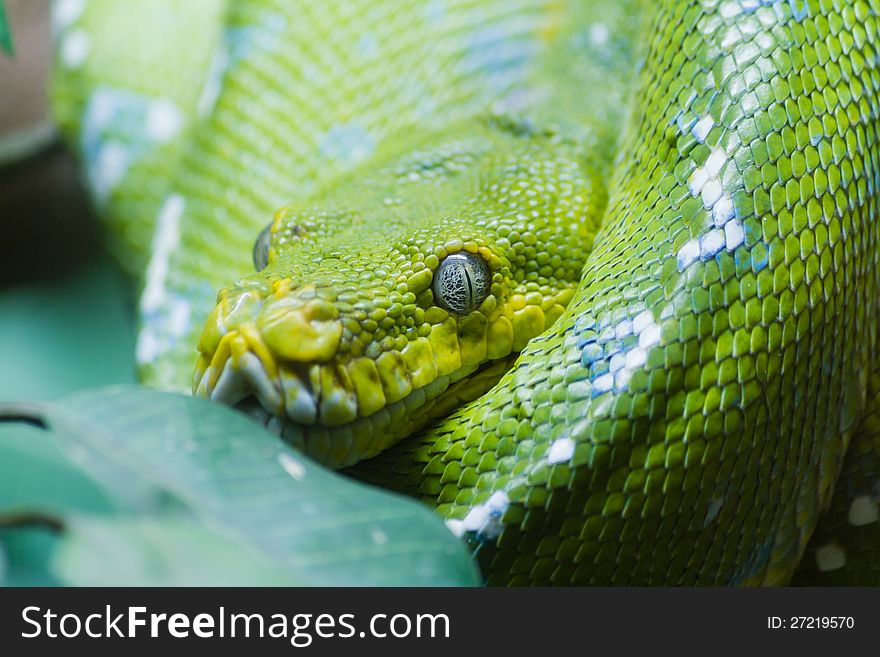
(461, 282)
(261, 248)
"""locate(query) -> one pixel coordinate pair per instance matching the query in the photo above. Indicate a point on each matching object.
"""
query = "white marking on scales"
(727, 233)
(65, 12)
(213, 82)
(830, 557)
(599, 34)
(560, 451)
(863, 511)
(485, 519)
(75, 48)
(623, 364)
(702, 127)
(165, 240)
(108, 168)
(164, 120)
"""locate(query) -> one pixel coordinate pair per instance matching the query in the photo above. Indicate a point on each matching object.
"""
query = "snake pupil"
(461, 282)
(261, 248)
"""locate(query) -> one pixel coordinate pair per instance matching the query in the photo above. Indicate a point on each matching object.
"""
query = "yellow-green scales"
(662, 369)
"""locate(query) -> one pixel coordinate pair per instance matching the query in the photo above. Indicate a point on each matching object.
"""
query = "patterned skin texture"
(671, 378)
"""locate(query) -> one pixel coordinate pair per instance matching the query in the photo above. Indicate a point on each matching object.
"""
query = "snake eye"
(261, 247)
(461, 282)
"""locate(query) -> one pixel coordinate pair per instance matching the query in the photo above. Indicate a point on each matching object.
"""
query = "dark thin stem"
(22, 412)
(25, 519)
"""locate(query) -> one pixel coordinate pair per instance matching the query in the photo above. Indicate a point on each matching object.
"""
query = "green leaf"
(93, 551)
(38, 478)
(27, 554)
(36, 473)
(5, 31)
(234, 477)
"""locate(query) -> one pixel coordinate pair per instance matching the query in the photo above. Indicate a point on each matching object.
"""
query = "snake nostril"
(261, 247)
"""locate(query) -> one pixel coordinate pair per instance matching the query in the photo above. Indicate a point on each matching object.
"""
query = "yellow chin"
(284, 366)
(344, 445)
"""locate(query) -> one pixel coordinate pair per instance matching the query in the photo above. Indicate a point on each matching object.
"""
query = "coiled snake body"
(596, 279)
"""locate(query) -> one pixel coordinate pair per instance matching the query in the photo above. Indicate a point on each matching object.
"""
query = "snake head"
(401, 293)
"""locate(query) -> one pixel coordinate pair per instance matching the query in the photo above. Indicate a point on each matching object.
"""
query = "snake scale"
(597, 279)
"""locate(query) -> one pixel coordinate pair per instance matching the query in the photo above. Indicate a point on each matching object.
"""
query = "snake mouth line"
(313, 408)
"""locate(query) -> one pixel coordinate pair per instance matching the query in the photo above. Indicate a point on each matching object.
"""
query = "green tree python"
(596, 279)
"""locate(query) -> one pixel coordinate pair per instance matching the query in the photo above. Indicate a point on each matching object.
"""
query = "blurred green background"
(66, 313)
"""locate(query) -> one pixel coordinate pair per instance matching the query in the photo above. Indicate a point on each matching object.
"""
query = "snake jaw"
(310, 406)
(261, 354)
(239, 366)
(289, 355)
